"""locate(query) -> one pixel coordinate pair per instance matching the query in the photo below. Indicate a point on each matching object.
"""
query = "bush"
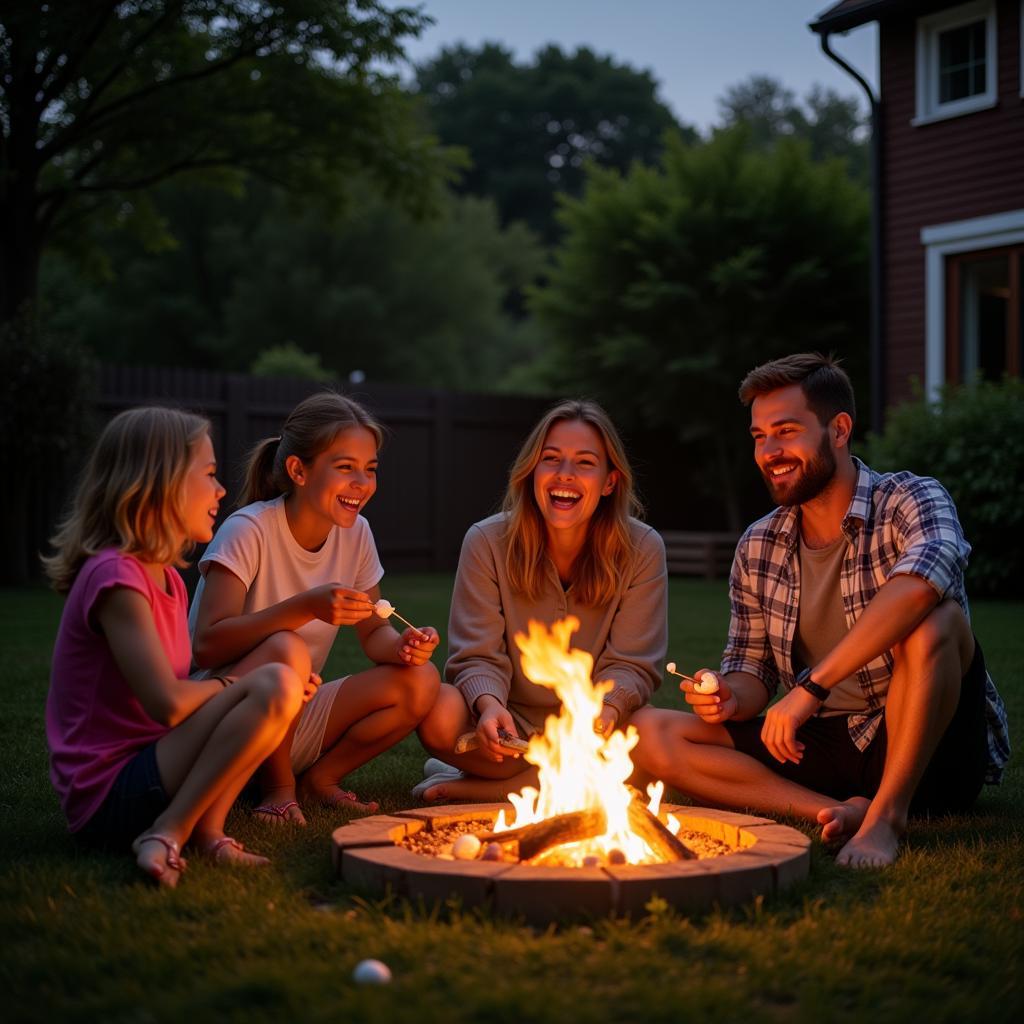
(972, 442)
(288, 360)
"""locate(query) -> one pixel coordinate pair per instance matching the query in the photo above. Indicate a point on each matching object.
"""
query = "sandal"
(174, 859)
(277, 810)
(213, 850)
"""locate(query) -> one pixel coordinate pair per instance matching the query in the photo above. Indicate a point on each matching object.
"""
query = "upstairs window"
(956, 62)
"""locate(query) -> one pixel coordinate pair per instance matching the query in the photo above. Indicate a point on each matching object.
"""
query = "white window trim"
(940, 241)
(928, 108)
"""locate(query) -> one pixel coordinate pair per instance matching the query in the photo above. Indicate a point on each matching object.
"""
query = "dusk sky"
(694, 48)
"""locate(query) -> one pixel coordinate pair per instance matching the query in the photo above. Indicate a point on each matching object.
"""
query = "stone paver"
(378, 830)
(541, 895)
(690, 886)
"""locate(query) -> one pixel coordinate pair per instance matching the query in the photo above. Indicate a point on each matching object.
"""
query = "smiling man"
(851, 594)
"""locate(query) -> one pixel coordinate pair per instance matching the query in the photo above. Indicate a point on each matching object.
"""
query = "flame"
(578, 768)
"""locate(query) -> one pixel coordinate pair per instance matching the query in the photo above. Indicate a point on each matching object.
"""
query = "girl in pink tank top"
(139, 753)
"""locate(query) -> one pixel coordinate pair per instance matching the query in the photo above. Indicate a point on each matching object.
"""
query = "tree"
(833, 125)
(102, 99)
(673, 282)
(375, 288)
(530, 128)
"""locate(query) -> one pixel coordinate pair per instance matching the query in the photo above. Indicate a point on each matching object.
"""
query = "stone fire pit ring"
(769, 858)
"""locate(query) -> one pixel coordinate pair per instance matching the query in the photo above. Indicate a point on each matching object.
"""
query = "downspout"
(877, 323)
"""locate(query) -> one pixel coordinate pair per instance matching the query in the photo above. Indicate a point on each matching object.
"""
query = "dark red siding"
(969, 166)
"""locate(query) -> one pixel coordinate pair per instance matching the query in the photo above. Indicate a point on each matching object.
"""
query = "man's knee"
(663, 740)
(944, 630)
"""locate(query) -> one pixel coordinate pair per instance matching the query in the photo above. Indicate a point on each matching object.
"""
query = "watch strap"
(805, 681)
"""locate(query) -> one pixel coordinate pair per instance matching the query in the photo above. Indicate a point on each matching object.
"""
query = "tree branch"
(59, 84)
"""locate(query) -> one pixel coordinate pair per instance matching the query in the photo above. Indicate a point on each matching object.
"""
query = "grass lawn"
(938, 937)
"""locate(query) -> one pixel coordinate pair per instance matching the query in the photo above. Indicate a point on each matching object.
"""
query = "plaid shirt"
(896, 523)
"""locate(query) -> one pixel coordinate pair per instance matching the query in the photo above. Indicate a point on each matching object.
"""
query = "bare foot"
(226, 850)
(159, 858)
(470, 788)
(287, 812)
(842, 821)
(874, 846)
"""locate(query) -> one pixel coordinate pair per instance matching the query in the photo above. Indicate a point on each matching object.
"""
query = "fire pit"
(583, 841)
(369, 854)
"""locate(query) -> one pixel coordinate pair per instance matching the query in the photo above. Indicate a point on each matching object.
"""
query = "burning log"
(529, 841)
(650, 828)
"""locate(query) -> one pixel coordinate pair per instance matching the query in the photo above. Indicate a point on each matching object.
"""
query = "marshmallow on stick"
(708, 682)
(384, 609)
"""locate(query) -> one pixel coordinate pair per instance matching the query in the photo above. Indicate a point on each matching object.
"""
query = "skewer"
(385, 609)
(707, 683)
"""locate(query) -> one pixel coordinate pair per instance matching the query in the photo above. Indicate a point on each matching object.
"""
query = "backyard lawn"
(938, 937)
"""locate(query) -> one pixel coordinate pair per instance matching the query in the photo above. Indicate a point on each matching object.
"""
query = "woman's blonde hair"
(309, 430)
(608, 549)
(130, 494)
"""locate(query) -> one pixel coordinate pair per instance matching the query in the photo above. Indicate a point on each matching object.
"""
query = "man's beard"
(806, 483)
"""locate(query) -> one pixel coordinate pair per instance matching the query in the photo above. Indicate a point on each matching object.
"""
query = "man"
(851, 594)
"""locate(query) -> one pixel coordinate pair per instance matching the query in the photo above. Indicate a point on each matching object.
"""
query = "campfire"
(584, 842)
(584, 812)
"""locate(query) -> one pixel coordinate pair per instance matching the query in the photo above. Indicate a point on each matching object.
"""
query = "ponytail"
(261, 483)
(310, 429)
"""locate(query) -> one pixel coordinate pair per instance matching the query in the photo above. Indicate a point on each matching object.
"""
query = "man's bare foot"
(874, 846)
(160, 858)
(226, 850)
(843, 820)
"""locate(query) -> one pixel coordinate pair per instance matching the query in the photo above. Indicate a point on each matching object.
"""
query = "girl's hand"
(415, 646)
(604, 724)
(313, 683)
(494, 717)
(338, 605)
(713, 708)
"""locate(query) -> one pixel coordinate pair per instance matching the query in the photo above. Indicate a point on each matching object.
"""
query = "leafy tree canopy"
(832, 125)
(673, 282)
(100, 99)
(530, 128)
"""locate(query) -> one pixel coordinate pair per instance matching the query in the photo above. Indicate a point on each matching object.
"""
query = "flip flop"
(350, 800)
(175, 861)
(212, 850)
(277, 810)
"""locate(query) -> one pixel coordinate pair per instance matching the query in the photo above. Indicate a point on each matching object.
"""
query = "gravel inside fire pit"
(437, 842)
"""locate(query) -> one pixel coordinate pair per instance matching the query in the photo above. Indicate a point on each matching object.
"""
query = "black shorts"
(832, 764)
(134, 802)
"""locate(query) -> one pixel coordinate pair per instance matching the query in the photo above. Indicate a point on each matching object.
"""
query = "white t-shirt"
(256, 544)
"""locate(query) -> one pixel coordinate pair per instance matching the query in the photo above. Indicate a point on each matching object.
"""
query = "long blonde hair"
(309, 430)
(608, 548)
(130, 493)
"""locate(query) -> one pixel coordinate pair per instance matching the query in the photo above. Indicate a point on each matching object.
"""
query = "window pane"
(962, 62)
(984, 309)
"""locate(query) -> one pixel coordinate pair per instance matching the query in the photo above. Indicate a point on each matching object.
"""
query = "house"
(948, 127)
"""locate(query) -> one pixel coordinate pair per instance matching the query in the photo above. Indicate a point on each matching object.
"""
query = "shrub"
(288, 360)
(972, 442)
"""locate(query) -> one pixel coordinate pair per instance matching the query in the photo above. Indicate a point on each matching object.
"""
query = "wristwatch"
(818, 692)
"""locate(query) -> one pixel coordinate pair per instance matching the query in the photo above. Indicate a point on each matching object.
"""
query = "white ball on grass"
(371, 972)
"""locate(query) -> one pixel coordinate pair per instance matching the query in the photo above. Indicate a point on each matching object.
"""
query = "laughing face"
(342, 478)
(792, 448)
(202, 492)
(572, 476)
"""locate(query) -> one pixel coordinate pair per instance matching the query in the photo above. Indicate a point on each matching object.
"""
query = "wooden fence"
(443, 466)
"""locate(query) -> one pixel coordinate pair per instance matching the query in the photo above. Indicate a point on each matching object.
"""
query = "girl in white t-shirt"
(279, 578)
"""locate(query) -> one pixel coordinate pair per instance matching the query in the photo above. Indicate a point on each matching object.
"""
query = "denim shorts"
(134, 802)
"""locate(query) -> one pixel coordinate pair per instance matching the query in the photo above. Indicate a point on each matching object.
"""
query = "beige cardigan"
(627, 637)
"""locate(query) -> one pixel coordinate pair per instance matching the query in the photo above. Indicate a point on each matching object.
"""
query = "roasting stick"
(706, 684)
(385, 609)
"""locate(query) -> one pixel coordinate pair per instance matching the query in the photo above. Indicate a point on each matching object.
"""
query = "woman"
(565, 543)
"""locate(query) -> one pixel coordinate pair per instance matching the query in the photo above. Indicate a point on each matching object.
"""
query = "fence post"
(441, 481)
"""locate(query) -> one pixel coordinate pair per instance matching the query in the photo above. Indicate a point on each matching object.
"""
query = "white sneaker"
(436, 772)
